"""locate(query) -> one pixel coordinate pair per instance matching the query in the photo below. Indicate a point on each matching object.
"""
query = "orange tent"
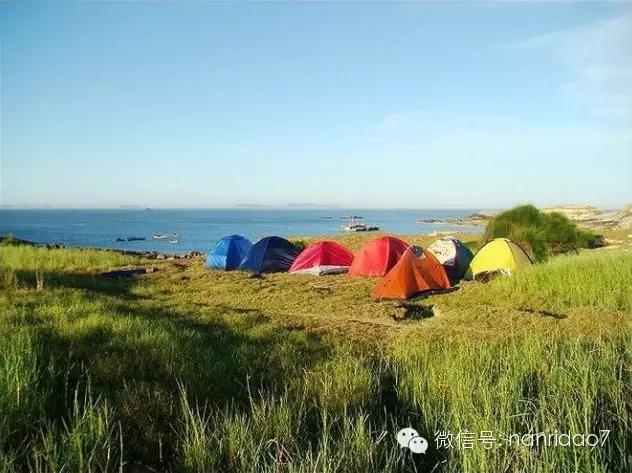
(416, 271)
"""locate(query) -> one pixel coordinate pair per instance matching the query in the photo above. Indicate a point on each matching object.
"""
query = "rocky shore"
(143, 254)
(478, 219)
(594, 217)
(585, 215)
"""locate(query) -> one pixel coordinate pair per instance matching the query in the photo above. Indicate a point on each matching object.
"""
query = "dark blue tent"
(270, 254)
(229, 252)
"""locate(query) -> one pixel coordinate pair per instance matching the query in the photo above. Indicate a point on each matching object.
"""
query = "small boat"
(360, 228)
(355, 224)
(133, 238)
(165, 236)
(174, 242)
(354, 227)
(432, 221)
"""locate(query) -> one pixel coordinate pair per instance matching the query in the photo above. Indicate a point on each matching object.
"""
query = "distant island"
(289, 206)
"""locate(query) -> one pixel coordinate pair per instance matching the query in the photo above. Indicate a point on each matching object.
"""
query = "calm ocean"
(200, 229)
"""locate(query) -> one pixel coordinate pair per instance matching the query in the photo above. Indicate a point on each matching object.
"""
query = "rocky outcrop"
(163, 256)
(625, 218)
(594, 217)
(477, 219)
(576, 213)
(586, 215)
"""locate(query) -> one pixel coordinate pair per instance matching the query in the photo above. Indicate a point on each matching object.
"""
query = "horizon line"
(261, 207)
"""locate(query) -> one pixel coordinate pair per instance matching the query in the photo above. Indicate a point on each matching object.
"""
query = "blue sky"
(410, 105)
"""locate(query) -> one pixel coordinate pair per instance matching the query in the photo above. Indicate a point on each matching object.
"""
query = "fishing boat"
(356, 224)
(432, 221)
(166, 236)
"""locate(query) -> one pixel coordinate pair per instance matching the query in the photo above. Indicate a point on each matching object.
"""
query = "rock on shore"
(479, 218)
(577, 213)
(595, 217)
(586, 215)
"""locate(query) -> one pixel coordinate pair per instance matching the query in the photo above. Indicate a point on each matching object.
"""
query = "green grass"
(188, 370)
(30, 258)
(595, 280)
(30, 266)
(527, 385)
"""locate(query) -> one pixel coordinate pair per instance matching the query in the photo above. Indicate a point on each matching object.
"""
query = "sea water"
(199, 230)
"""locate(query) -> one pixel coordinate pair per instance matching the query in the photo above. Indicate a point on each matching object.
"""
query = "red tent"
(417, 271)
(325, 257)
(378, 256)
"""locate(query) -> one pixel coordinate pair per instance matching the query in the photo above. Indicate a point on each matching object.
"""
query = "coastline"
(149, 254)
(199, 230)
(90, 232)
(351, 239)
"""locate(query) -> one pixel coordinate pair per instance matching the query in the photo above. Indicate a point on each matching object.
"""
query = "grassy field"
(188, 370)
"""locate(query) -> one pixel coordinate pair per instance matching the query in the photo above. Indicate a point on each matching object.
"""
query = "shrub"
(541, 234)
(301, 244)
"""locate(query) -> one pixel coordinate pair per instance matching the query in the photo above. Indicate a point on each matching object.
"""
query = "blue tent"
(229, 252)
(270, 254)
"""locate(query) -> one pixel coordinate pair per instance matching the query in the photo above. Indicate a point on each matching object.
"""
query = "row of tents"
(406, 270)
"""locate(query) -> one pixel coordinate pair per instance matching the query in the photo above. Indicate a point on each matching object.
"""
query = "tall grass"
(532, 385)
(89, 441)
(35, 432)
(26, 265)
(31, 258)
(527, 386)
(280, 434)
(23, 390)
(596, 280)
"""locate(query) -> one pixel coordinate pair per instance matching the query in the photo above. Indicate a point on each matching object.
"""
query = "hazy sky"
(423, 105)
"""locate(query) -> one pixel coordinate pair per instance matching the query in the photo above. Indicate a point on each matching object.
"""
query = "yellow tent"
(497, 254)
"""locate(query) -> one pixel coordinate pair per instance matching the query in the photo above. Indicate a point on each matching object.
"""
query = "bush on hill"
(540, 234)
